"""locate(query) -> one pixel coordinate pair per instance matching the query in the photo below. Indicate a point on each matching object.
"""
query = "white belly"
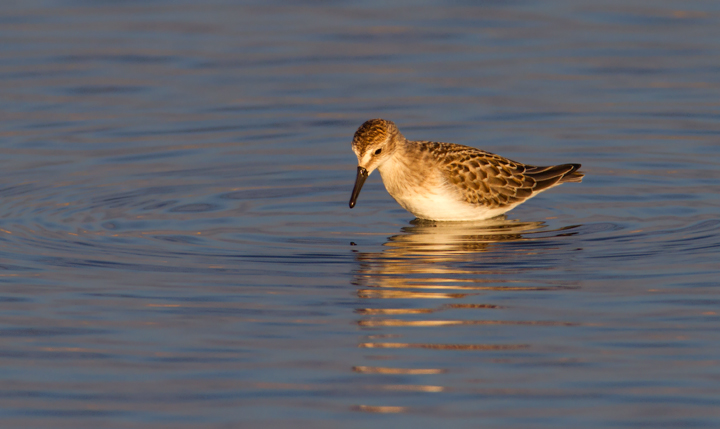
(444, 207)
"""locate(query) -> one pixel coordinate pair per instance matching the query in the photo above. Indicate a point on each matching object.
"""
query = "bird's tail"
(547, 177)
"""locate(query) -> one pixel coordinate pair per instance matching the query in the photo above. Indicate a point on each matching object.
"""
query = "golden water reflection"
(444, 346)
(437, 260)
(382, 410)
(434, 323)
(383, 370)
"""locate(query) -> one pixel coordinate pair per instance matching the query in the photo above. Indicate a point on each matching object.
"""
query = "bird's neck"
(401, 171)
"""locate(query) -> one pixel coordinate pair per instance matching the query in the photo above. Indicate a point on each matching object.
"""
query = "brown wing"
(493, 181)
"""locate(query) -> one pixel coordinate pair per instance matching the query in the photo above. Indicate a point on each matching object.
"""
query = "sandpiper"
(446, 181)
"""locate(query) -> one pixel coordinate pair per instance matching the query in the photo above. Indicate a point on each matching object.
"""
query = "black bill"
(362, 174)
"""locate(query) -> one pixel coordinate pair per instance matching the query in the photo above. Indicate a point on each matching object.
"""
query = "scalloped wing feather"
(483, 178)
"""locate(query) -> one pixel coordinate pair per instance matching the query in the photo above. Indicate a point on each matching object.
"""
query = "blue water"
(176, 248)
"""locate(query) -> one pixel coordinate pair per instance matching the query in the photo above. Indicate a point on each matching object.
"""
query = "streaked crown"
(372, 133)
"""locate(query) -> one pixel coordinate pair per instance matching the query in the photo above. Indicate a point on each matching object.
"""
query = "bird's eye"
(377, 152)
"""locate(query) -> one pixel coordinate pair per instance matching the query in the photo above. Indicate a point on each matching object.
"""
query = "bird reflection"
(444, 260)
(452, 238)
(435, 256)
(455, 263)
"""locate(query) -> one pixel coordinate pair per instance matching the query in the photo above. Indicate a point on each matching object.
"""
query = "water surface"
(176, 248)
